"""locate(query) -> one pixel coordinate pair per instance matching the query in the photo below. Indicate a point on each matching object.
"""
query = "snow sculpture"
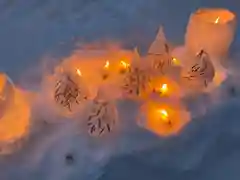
(15, 116)
(137, 79)
(163, 117)
(200, 73)
(159, 54)
(70, 90)
(6, 93)
(102, 115)
(212, 29)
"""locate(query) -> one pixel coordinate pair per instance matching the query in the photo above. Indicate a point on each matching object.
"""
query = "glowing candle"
(15, 116)
(124, 66)
(136, 83)
(113, 71)
(211, 29)
(175, 61)
(106, 66)
(163, 118)
(106, 71)
(163, 115)
(165, 86)
(79, 72)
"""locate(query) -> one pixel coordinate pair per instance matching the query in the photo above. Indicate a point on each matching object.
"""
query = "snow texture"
(37, 34)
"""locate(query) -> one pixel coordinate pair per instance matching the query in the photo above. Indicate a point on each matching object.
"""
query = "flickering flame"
(163, 89)
(217, 20)
(124, 64)
(107, 65)
(163, 114)
(175, 61)
(162, 118)
(79, 72)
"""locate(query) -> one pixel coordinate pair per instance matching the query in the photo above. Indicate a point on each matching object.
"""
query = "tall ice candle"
(211, 29)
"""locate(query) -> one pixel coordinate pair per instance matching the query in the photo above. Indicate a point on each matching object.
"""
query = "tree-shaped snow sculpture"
(102, 115)
(70, 90)
(201, 72)
(159, 53)
(137, 80)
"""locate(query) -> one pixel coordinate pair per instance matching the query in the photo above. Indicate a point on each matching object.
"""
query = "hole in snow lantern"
(165, 87)
(163, 118)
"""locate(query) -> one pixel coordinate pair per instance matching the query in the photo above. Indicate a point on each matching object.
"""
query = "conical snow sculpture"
(200, 73)
(136, 54)
(159, 45)
(159, 53)
(102, 114)
(136, 82)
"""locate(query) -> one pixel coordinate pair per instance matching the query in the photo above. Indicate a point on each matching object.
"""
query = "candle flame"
(79, 72)
(124, 64)
(163, 89)
(107, 65)
(217, 20)
(163, 114)
(175, 61)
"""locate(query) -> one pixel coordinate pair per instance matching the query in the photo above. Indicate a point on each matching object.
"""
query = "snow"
(36, 35)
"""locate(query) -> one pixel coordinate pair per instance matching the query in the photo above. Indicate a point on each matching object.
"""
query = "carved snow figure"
(102, 115)
(200, 73)
(70, 91)
(136, 82)
(159, 54)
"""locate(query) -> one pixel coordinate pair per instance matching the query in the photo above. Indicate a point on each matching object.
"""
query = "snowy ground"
(31, 32)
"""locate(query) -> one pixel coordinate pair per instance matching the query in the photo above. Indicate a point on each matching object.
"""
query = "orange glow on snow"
(164, 119)
(166, 87)
(15, 122)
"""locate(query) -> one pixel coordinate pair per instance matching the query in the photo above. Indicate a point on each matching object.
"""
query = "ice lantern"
(14, 117)
(163, 117)
(6, 93)
(211, 29)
